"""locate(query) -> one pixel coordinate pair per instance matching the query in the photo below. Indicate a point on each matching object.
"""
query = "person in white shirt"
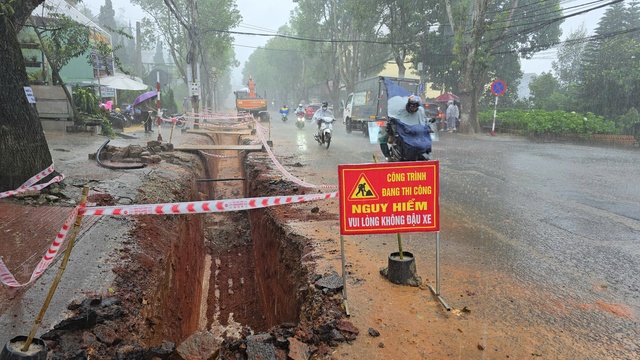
(452, 114)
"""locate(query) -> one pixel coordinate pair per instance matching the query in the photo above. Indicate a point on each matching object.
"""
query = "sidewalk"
(27, 231)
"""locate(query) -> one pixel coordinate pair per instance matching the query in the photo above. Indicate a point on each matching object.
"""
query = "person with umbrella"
(143, 104)
(146, 116)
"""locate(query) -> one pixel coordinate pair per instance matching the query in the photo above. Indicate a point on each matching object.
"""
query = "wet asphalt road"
(562, 219)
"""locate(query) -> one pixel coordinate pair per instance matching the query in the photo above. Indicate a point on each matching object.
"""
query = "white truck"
(368, 102)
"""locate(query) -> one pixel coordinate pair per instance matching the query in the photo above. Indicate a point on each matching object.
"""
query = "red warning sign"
(389, 197)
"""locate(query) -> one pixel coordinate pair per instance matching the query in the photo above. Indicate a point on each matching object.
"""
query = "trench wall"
(173, 309)
(174, 263)
(282, 278)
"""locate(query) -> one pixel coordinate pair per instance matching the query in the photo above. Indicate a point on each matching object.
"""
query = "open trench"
(229, 270)
(241, 284)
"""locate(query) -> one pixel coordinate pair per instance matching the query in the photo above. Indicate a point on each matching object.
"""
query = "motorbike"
(120, 118)
(178, 119)
(409, 142)
(300, 120)
(284, 114)
(323, 137)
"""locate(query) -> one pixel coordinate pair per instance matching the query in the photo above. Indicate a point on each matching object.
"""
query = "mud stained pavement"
(156, 291)
(182, 282)
(112, 278)
(498, 311)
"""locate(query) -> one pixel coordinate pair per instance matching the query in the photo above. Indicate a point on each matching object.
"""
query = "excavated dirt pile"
(230, 285)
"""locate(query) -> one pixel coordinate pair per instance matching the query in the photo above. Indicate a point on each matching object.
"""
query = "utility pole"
(421, 87)
(194, 86)
(138, 50)
(214, 79)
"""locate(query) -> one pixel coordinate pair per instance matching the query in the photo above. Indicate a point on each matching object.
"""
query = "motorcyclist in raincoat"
(284, 111)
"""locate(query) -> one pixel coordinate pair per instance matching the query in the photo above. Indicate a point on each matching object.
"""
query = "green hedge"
(540, 122)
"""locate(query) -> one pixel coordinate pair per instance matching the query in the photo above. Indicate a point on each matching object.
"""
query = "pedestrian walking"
(452, 114)
(186, 105)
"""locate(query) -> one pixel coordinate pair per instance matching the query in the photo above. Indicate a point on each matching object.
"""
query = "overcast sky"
(266, 16)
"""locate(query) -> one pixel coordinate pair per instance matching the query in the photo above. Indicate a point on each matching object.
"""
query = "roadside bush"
(540, 122)
(86, 101)
(107, 128)
(629, 123)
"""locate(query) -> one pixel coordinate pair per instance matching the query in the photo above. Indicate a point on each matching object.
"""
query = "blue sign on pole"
(498, 87)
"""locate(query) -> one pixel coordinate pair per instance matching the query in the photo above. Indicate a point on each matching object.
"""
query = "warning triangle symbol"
(363, 190)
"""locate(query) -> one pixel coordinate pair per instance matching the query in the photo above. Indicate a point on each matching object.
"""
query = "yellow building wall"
(391, 70)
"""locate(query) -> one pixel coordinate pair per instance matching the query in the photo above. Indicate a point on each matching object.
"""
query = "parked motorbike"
(409, 142)
(178, 119)
(300, 121)
(165, 118)
(120, 118)
(324, 133)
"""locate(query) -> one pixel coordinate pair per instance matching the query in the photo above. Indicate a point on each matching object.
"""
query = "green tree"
(125, 49)
(318, 19)
(434, 50)
(404, 20)
(158, 57)
(544, 89)
(107, 19)
(630, 122)
(346, 42)
(568, 64)
(276, 69)
(23, 145)
(483, 30)
(207, 29)
(610, 79)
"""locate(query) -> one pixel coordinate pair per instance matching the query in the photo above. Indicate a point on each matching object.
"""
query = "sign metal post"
(498, 88)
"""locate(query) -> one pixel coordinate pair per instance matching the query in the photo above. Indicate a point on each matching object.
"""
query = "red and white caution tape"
(260, 130)
(212, 116)
(27, 186)
(264, 131)
(190, 118)
(172, 120)
(196, 207)
(7, 278)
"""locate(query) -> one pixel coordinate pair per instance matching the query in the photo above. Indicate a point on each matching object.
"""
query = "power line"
(291, 37)
(544, 24)
(517, 20)
(276, 49)
(255, 27)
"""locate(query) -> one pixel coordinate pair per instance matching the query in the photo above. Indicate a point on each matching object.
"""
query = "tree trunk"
(23, 147)
(467, 83)
(466, 92)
